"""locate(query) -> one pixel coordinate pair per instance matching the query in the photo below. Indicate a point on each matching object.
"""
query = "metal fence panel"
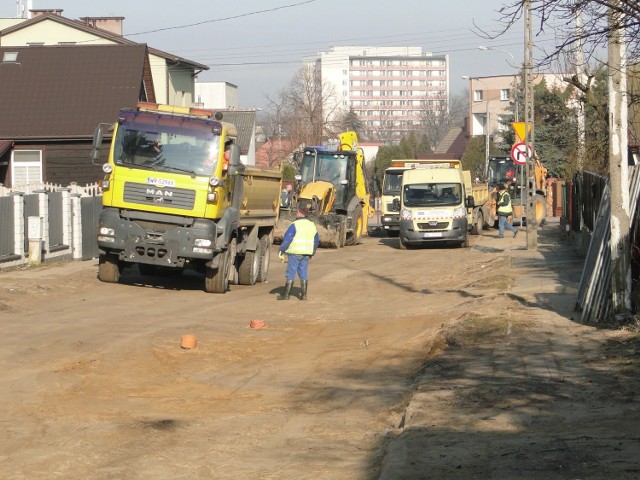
(31, 209)
(7, 233)
(56, 220)
(90, 208)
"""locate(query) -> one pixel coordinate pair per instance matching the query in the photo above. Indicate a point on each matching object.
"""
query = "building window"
(26, 167)
(478, 95)
(505, 94)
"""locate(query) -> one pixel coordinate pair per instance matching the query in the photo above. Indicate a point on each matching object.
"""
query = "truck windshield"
(328, 167)
(432, 194)
(150, 141)
(392, 182)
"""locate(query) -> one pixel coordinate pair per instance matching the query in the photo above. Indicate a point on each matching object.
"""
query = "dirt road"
(429, 363)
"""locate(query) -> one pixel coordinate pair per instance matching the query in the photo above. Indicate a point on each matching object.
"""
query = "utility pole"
(618, 165)
(530, 170)
(580, 67)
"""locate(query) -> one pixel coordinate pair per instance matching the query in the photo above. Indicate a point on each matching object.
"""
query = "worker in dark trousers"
(505, 210)
(299, 244)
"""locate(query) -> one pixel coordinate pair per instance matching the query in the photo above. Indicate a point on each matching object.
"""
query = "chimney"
(109, 24)
(37, 12)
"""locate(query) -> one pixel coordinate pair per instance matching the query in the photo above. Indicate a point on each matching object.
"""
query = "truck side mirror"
(234, 156)
(396, 204)
(471, 203)
(98, 134)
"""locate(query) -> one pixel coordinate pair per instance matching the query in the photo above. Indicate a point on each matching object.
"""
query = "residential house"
(274, 153)
(53, 97)
(173, 76)
(491, 100)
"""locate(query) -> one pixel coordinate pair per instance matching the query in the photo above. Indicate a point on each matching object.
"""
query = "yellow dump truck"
(176, 196)
(331, 183)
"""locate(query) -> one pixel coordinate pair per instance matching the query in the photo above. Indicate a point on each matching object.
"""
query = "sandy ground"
(425, 363)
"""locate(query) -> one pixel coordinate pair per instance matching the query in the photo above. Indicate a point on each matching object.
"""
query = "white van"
(436, 204)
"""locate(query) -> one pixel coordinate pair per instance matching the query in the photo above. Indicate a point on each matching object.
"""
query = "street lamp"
(515, 83)
(486, 121)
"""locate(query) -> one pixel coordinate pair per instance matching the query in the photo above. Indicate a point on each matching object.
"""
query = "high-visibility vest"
(506, 209)
(302, 243)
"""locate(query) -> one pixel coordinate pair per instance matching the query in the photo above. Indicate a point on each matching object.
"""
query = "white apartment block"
(391, 89)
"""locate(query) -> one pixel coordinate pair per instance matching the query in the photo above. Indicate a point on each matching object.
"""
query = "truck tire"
(265, 258)
(393, 233)
(249, 268)
(108, 268)
(478, 226)
(540, 207)
(357, 224)
(216, 280)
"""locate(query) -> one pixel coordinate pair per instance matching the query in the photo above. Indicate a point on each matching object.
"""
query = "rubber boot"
(303, 293)
(287, 290)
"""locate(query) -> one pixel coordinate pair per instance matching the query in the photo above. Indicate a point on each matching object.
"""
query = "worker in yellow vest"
(299, 244)
(505, 210)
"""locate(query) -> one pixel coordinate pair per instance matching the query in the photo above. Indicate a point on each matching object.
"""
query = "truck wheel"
(478, 226)
(265, 258)
(108, 268)
(249, 268)
(217, 279)
(393, 233)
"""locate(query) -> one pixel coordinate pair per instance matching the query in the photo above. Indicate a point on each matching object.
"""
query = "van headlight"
(460, 212)
(405, 214)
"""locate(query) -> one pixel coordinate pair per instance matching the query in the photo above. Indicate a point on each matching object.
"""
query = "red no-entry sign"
(519, 153)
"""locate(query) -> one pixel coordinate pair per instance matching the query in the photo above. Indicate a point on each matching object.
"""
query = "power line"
(215, 20)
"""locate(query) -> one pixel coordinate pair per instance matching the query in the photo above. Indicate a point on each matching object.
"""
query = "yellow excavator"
(331, 183)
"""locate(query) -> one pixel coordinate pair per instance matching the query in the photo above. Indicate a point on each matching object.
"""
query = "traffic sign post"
(519, 153)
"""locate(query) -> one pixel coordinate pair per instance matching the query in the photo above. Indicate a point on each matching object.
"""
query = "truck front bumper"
(159, 240)
(390, 222)
(417, 233)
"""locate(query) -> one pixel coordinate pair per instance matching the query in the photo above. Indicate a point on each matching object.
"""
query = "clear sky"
(258, 45)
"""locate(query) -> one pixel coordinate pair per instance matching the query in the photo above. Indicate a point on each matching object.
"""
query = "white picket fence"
(57, 233)
(89, 190)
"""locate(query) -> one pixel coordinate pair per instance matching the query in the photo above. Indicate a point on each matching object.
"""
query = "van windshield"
(432, 194)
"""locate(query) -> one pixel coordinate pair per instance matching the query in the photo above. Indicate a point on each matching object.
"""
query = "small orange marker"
(188, 341)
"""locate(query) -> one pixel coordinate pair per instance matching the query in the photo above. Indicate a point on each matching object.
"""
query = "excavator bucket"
(330, 228)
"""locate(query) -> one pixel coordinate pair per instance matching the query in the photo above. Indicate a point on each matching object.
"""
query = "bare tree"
(306, 110)
(561, 17)
(437, 123)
